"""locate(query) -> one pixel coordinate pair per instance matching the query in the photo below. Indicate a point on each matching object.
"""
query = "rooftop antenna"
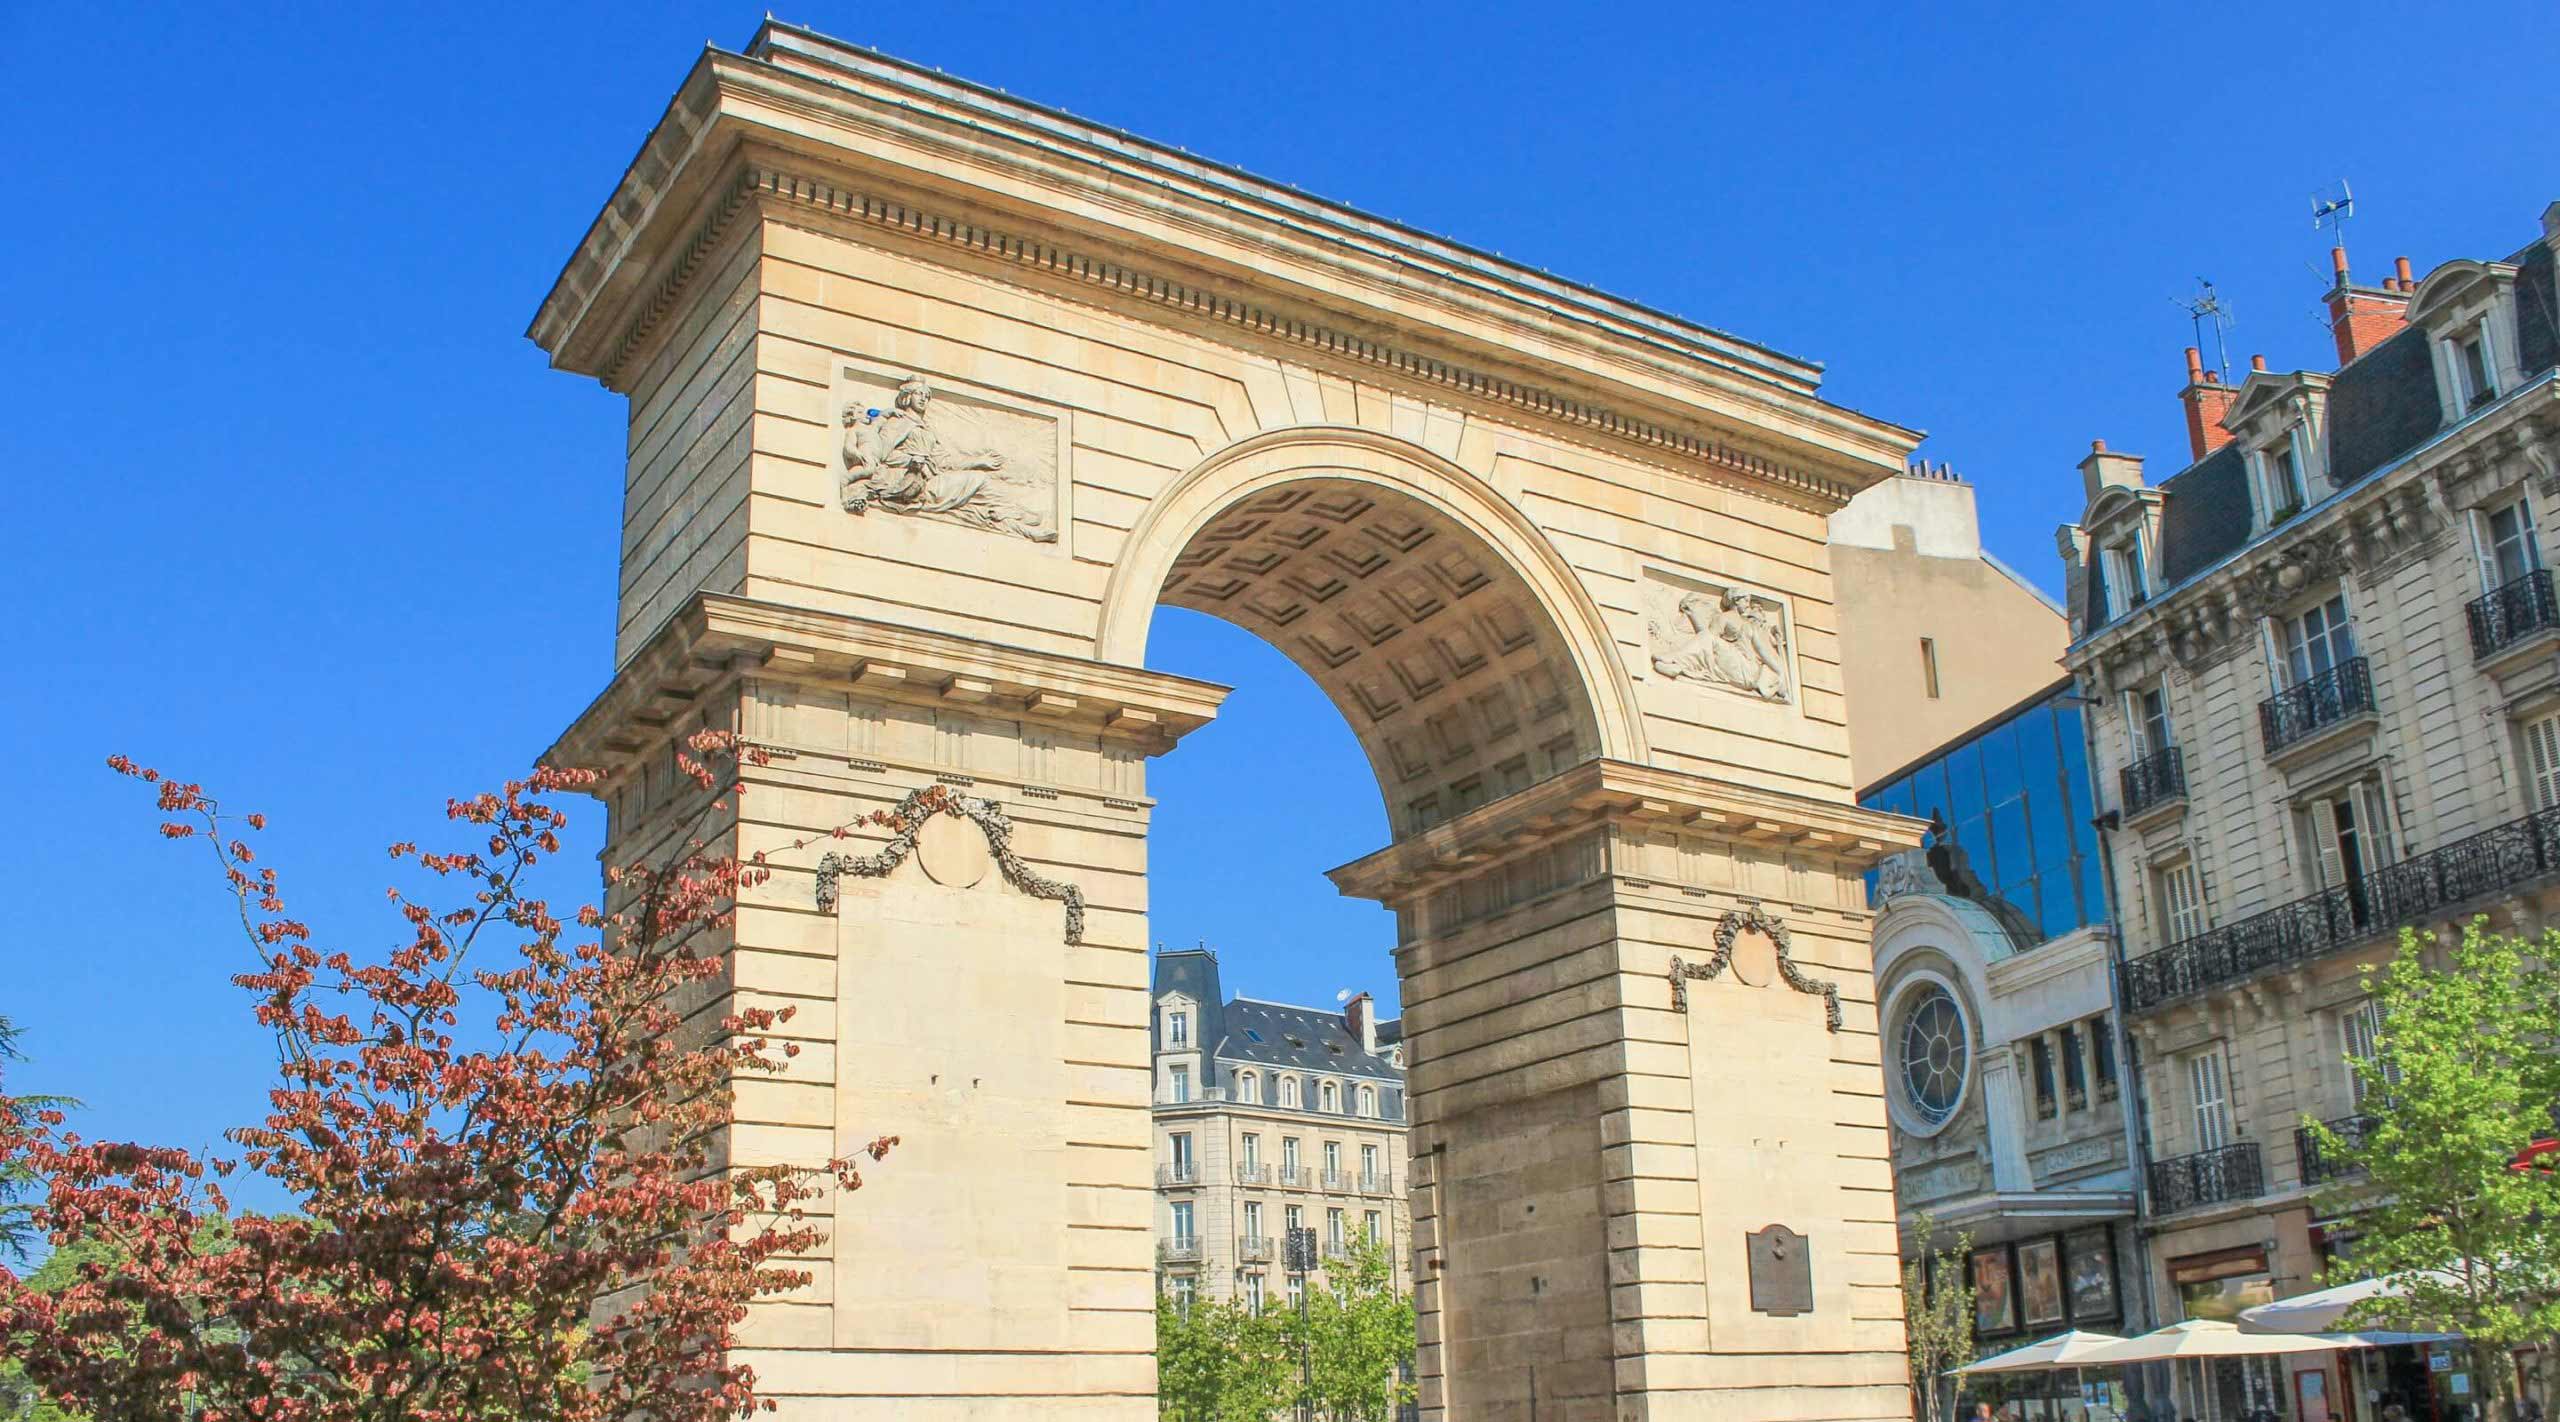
(2207, 304)
(2332, 212)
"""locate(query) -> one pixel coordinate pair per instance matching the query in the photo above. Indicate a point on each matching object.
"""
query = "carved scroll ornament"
(911, 815)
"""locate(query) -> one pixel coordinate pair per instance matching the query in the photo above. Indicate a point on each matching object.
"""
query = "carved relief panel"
(1720, 635)
(913, 447)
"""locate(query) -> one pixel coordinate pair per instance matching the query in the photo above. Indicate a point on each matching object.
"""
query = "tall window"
(1178, 1029)
(1333, 1229)
(1181, 1084)
(1369, 1101)
(2209, 1101)
(1182, 1221)
(2040, 1052)
(1253, 1219)
(2102, 1050)
(1253, 1291)
(2508, 549)
(1251, 1150)
(1296, 1218)
(2318, 640)
(2126, 577)
(1249, 1088)
(2281, 478)
(1333, 1157)
(1929, 667)
(2151, 733)
(2075, 1072)
(1186, 1291)
(1369, 1225)
(1182, 1160)
(1369, 1161)
(2542, 760)
(2360, 1029)
(1297, 1290)
(1288, 1152)
(2473, 367)
(1332, 1098)
(2348, 839)
(2181, 902)
(1289, 1091)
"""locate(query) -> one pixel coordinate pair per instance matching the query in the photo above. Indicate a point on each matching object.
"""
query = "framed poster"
(2040, 1282)
(2089, 1276)
(1994, 1305)
(2311, 1397)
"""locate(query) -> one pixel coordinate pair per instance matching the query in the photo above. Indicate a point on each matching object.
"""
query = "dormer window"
(1249, 1088)
(2474, 370)
(1177, 1029)
(2282, 490)
(2127, 581)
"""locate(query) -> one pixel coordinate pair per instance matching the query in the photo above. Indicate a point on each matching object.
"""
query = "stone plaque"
(1781, 1272)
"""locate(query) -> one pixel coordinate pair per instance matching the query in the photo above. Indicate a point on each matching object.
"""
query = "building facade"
(1268, 1118)
(1947, 637)
(2327, 706)
(2004, 1072)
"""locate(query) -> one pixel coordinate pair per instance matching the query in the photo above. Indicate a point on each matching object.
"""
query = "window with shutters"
(2347, 840)
(2151, 732)
(2360, 1035)
(2542, 761)
(2508, 549)
(2181, 901)
(2209, 1100)
(2318, 640)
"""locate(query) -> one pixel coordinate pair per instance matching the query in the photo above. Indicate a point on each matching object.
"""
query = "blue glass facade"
(2016, 797)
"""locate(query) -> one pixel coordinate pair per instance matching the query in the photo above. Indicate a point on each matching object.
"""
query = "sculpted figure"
(1729, 641)
(899, 461)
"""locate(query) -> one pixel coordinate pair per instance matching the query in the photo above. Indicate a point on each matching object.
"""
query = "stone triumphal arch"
(934, 396)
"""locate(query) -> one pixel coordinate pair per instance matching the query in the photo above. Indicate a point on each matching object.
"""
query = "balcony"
(1181, 1249)
(1297, 1177)
(1253, 1248)
(2432, 885)
(1180, 1172)
(2208, 1177)
(2302, 716)
(2319, 1167)
(1375, 1184)
(2513, 617)
(1337, 1249)
(2155, 782)
(1253, 1172)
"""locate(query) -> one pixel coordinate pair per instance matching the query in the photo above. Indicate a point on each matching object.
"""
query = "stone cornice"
(1650, 378)
(1609, 791)
(719, 637)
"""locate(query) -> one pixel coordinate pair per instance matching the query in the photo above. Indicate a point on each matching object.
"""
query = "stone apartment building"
(2325, 662)
(1994, 945)
(1270, 1117)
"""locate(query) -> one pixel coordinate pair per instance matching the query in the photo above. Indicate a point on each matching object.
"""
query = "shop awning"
(2320, 1311)
(2212, 1338)
(2062, 1350)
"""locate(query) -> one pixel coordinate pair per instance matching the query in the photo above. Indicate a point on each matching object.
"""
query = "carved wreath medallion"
(1754, 916)
(910, 816)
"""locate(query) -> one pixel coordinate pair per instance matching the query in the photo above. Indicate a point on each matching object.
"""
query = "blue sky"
(296, 510)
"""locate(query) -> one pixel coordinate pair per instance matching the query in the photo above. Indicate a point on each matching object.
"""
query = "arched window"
(1289, 1091)
(1933, 1055)
(1369, 1101)
(1249, 1089)
(1333, 1098)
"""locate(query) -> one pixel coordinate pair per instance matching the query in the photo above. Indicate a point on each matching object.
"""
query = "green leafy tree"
(1358, 1335)
(2462, 1078)
(1222, 1362)
(1937, 1312)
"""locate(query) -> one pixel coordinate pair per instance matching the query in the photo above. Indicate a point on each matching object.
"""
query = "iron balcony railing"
(1253, 1173)
(1296, 1177)
(1180, 1172)
(1181, 1249)
(2512, 613)
(2334, 695)
(2490, 862)
(1254, 1248)
(1337, 1249)
(2208, 1177)
(1374, 1184)
(2156, 779)
(2319, 1166)
(1339, 1180)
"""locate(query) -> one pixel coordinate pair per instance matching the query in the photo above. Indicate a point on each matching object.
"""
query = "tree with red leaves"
(512, 1198)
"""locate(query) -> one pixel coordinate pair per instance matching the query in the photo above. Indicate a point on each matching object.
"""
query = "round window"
(1931, 1041)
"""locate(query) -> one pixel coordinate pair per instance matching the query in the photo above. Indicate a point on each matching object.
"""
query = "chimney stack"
(2103, 470)
(1361, 1016)
(2362, 317)
(2207, 400)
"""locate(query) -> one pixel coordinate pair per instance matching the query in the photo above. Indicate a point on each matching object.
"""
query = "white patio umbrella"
(2212, 1338)
(2062, 1350)
(2318, 1312)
